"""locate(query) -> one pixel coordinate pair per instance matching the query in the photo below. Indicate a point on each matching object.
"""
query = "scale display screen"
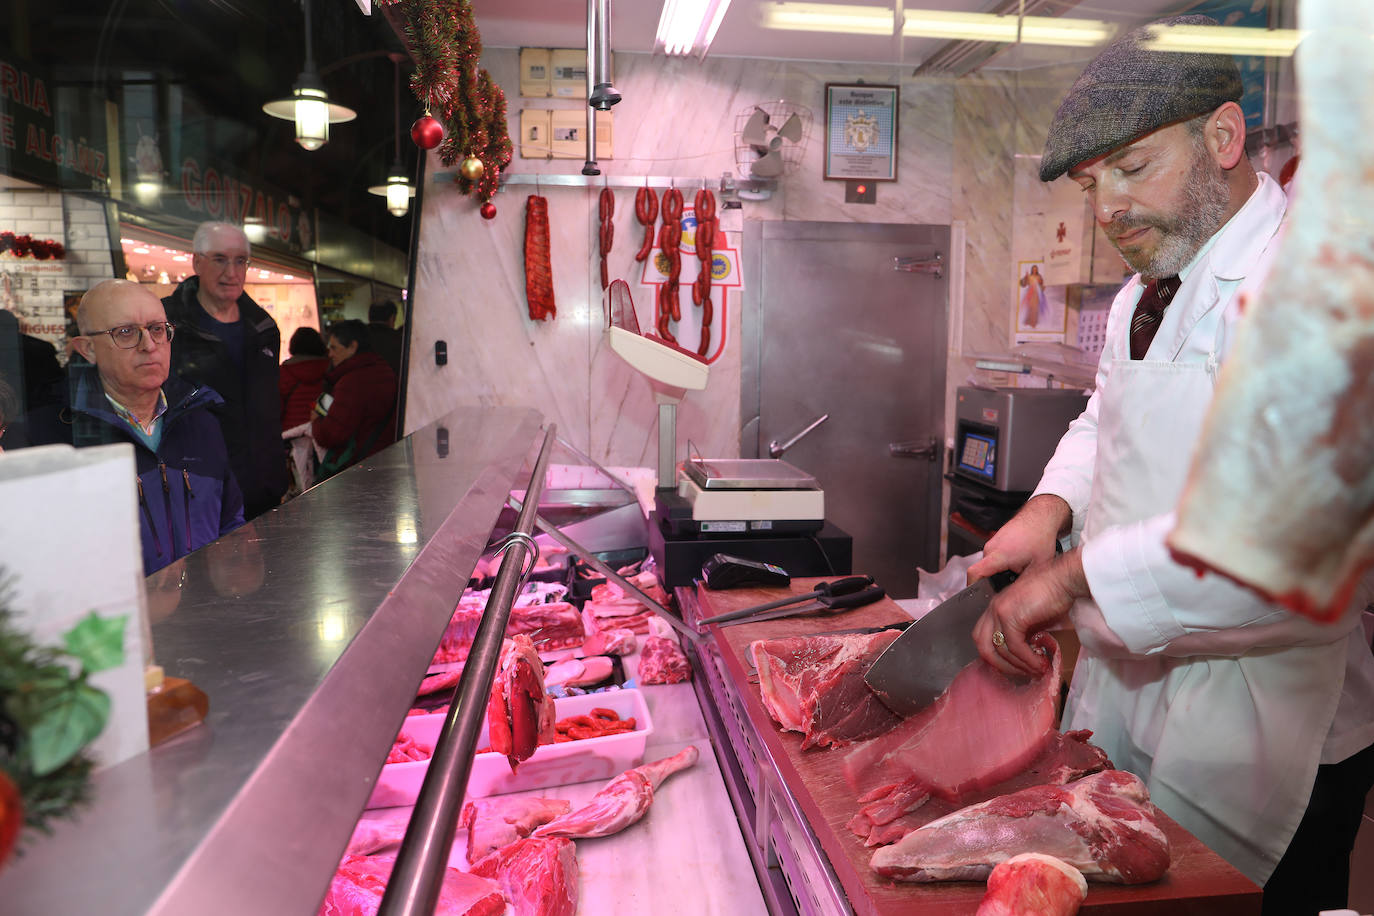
(978, 455)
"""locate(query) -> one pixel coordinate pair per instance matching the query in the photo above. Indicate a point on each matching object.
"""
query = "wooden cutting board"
(1198, 883)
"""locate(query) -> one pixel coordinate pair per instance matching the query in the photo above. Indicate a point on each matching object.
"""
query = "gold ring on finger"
(998, 639)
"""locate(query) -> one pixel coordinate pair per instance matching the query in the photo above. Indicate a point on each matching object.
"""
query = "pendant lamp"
(309, 105)
(398, 190)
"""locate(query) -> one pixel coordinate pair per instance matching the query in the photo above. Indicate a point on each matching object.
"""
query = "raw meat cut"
(501, 820)
(538, 876)
(1032, 884)
(370, 835)
(615, 615)
(1280, 497)
(1103, 825)
(983, 729)
(610, 642)
(406, 749)
(622, 801)
(646, 582)
(662, 661)
(360, 881)
(815, 685)
(892, 812)
(520, 713)
(578, 671)
(552, 625)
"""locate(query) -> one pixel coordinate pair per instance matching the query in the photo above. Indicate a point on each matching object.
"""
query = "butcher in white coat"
(1250, 726)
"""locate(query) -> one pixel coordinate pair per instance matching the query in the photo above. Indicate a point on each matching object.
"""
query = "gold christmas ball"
(472, 168)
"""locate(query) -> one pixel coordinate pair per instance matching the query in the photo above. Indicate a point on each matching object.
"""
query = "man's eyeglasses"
(128, 336)
(223, 261)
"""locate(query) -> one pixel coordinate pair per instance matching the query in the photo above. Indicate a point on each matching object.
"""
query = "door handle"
(934, 266)
(915, 448)
(775, 448)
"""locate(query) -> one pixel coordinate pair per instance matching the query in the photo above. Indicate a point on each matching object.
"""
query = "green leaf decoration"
(71, 720)
(99, 643)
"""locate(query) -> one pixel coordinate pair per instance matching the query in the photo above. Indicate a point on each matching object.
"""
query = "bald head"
(133, 375)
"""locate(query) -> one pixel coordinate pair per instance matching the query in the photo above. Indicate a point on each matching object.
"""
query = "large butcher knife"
(918, 665)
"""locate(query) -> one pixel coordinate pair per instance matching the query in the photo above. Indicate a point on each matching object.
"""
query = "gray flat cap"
(1128, 91)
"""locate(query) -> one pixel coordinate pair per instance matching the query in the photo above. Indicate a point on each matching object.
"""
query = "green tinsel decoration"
(446, 47)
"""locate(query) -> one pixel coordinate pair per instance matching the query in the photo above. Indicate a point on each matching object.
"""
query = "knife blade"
(918, 665)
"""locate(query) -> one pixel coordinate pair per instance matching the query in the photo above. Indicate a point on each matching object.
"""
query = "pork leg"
(621, 802)
(1280, 497)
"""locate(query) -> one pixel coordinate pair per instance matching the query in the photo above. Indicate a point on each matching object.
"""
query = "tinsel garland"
(446, 46)
(26, 246)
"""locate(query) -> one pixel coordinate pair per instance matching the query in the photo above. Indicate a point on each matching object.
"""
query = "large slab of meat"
(621, 802)
(1103, 825)
(538, 876)
(360, 882)
(498, 821)
(891, 812)
(983, 729)
(552, 625)
(520, 712)
(1280, 497)
(662, 661)
(1033, 884)
(814, 685)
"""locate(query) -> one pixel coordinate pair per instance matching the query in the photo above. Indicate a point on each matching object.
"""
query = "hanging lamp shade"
(309, 104)
(398, 190)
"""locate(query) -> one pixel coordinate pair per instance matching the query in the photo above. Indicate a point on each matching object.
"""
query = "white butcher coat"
(1222, 703)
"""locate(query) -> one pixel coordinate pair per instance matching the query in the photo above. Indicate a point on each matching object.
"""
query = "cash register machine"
(759, 509)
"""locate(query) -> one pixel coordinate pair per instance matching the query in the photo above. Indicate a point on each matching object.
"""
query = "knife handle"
(853, 599)
(845, 586)
(1002, 579)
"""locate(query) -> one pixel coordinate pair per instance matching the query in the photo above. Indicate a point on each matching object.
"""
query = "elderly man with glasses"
(122, 391)
(227, 341)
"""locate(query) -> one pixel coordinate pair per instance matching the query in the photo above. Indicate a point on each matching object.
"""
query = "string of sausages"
(670, 240)
(646, 211)
(606, 209)
(705, 206)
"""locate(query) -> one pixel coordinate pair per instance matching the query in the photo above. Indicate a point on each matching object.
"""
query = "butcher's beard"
(1201, 212)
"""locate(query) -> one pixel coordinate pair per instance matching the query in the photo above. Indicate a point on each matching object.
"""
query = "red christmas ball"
(427, 132)
(488, 210)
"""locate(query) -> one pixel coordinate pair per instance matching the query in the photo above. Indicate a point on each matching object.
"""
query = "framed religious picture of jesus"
(860, 132)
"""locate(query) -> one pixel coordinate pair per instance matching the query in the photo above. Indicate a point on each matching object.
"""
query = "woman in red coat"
(302, 377)
(356, 415)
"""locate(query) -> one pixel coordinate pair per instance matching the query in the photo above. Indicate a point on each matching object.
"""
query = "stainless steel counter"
(309, 630)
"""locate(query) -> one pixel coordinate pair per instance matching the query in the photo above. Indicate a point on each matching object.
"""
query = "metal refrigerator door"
(831, 326)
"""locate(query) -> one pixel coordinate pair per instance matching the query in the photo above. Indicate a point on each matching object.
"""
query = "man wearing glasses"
(227, 341)
(122, 392)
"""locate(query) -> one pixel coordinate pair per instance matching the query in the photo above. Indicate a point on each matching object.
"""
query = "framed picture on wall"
(860, 132)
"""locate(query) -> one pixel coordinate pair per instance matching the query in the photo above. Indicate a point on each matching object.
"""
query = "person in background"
(302, 377)
(1251, 726)
(356, 415)
(386, 337)
(123, 391)
(227, 341)
(9, 409)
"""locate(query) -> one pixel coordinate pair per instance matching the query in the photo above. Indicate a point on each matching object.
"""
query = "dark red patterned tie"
(1149, 311)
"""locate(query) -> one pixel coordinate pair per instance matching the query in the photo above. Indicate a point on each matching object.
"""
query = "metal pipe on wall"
(601, 95)
(589, 167)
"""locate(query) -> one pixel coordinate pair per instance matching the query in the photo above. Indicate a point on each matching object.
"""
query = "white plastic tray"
(551, 765)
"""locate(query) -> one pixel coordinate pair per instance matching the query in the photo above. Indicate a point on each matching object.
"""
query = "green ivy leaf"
(99, 643)
(69, 723)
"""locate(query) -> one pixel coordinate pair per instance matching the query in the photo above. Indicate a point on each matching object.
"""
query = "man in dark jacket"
(227, 342)
(356, 416)
(122, 392)
(386, 337)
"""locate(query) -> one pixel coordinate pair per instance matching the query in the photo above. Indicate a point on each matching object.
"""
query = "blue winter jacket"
(187, 495)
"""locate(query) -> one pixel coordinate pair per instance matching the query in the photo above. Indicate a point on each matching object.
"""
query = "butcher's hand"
(1042, 595)
(1029, 538)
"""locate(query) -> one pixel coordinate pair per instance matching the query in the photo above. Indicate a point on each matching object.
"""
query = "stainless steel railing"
(413, 888)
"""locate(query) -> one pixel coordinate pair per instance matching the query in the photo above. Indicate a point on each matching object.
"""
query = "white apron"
(1228, 747)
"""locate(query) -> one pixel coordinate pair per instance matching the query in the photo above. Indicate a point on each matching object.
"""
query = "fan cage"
(778, 112)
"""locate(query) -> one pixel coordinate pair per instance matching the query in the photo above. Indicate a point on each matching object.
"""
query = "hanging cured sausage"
(705, 205)
(670, 240)
(646, 211)
(538, 268)
(606, 235)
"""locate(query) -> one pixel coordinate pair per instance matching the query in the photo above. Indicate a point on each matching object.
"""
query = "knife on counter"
(918, 665)
(821, 604)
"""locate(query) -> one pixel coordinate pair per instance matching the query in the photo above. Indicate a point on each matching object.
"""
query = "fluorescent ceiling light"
(689, 26)
(829, 17)
(1211, 39)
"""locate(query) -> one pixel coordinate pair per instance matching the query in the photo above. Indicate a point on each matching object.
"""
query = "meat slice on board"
(1103, 825)
(1280, 497)
(622, 801)
(502, 819)
(520, 712)
(360, 882)
(539, 877)
(1032, 884)
(815, 685)
(983, 729)
(894, 811)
